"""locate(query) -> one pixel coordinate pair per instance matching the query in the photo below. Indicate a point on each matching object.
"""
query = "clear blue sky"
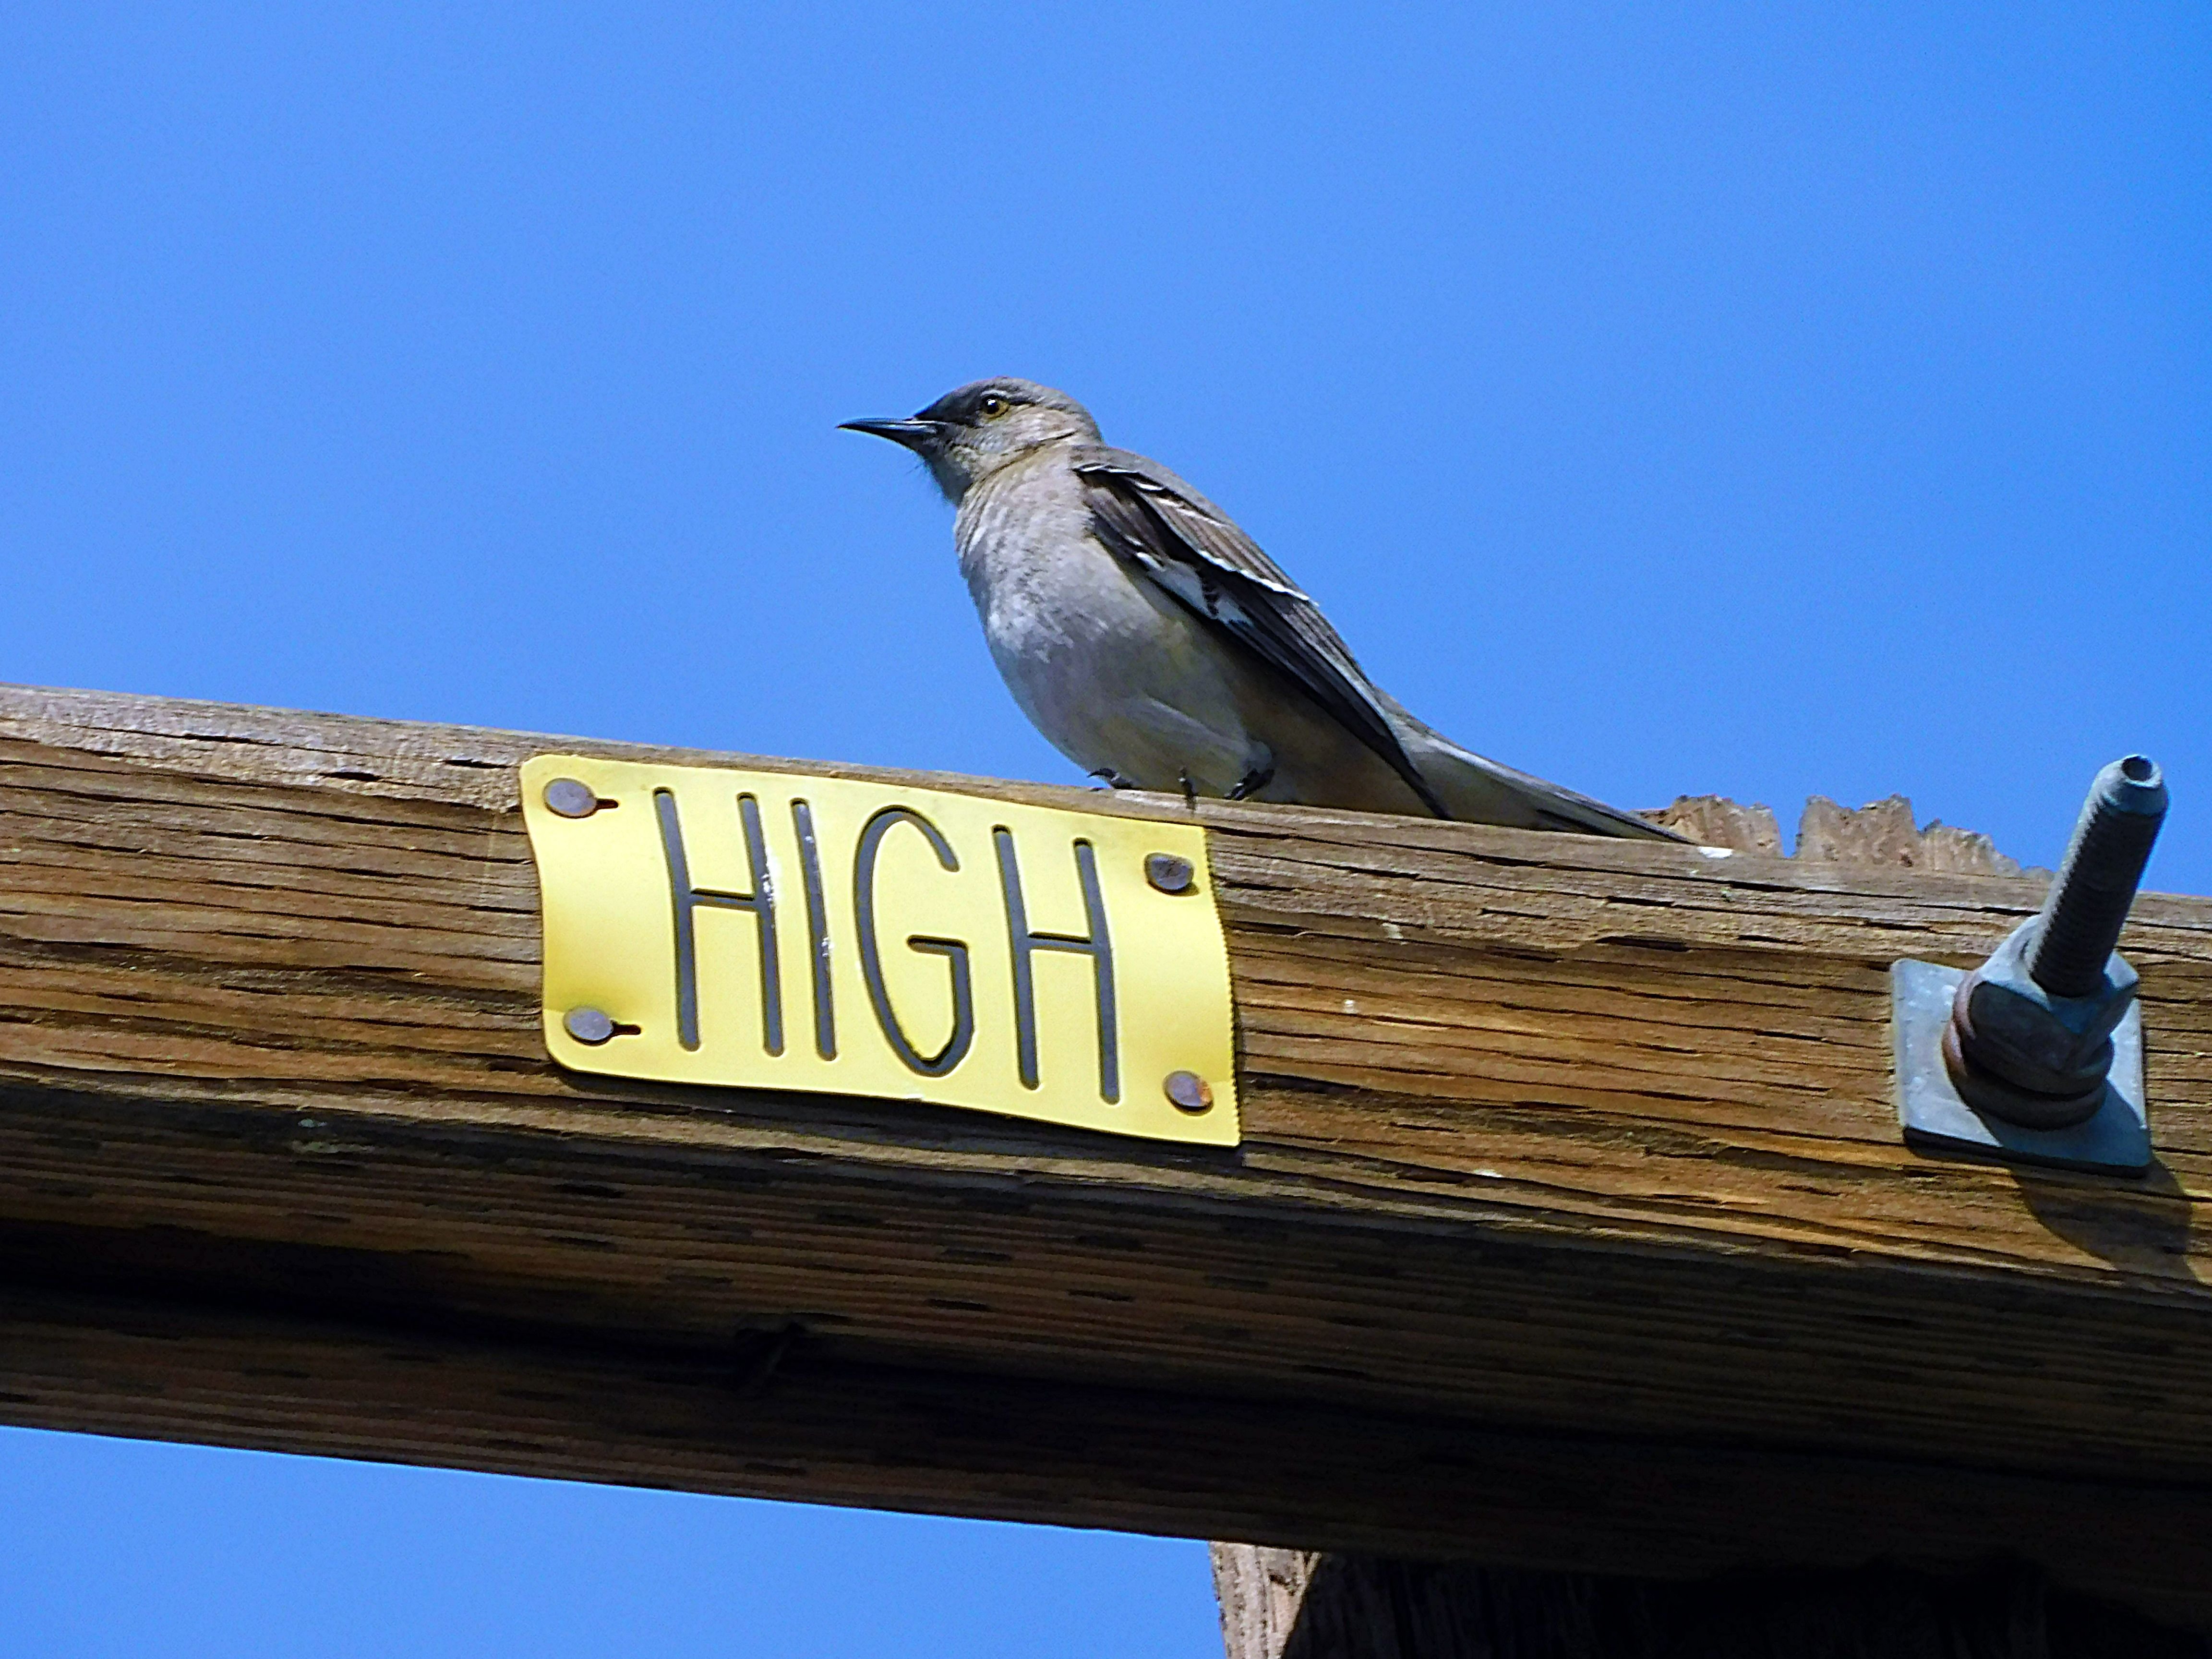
(1761, 400)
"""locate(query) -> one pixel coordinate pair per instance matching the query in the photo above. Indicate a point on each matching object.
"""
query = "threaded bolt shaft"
(2096, 884)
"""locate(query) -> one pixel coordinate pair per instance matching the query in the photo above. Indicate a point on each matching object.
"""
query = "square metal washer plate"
(2116, 1141)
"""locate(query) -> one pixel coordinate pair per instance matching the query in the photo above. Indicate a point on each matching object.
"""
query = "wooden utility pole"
(1571, 1230)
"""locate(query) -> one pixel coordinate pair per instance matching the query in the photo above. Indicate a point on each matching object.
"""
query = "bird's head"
(968, 434)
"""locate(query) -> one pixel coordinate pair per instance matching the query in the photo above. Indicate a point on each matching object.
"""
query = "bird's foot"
(1109, 779)
(1253, 781)
(1189, 790)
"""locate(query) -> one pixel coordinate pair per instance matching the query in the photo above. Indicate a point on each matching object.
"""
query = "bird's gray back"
(1227, 544)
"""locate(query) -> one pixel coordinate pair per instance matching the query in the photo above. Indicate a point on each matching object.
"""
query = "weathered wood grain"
(1301, 1604)
(1292, 1604)
(1545, 1135)
(1261, 1590)
(794, 1421)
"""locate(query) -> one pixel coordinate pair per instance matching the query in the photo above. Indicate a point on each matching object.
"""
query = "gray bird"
(1157, 646)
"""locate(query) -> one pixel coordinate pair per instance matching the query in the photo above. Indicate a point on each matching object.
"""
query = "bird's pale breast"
(1114, 672)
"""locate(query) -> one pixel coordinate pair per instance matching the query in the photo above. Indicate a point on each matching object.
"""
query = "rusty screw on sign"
(570, 798)
(590, 1026)
(1170, 874)
(1189, 1092)
(2036, 1056)
(1186, 1091)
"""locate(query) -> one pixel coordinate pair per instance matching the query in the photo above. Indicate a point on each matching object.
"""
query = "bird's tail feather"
(1477, 790)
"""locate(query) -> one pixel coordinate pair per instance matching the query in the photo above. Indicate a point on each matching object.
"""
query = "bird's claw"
(1252, 782)
(1109, 779)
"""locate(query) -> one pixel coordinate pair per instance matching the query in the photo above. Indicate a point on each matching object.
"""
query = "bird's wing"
(1191, 549)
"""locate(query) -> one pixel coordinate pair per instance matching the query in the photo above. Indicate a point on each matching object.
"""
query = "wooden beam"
(798, 1422)
(1291, 1604)
(1570, 1187)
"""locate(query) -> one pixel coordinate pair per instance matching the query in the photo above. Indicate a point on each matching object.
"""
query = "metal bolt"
(2089, 903)
(2030, 1037)
(589, 1026)
(1189, 1092)
(1170, 874)
(572, 800)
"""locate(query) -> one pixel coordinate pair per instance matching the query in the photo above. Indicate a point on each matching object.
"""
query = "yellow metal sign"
(774, 931)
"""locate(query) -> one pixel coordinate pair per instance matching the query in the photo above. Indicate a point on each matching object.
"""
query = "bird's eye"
(993, 406)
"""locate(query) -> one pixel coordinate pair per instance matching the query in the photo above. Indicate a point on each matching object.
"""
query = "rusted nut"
(2018, 1052)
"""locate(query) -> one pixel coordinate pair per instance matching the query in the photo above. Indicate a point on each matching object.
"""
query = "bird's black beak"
(914, 435)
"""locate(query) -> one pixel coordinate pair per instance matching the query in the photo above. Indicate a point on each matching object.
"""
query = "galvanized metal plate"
(2116, 1141)
(772, 931)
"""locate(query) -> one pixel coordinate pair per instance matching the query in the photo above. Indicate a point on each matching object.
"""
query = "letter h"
(686, 899)
(1097, 945)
